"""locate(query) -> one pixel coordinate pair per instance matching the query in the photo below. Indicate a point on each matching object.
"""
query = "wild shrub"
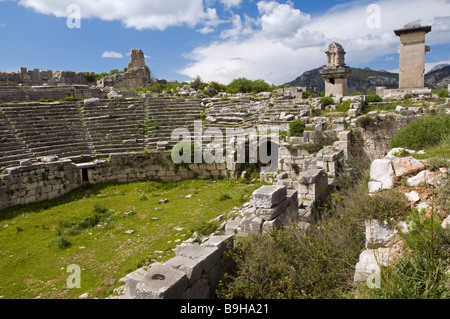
(62, 243)
(204, 228)
(296, 128)
(306, 95)
(373, 98)
(224, 197)
(366, 121)
(422, 271)
(319, 143)
(326, 100)
(289, 263)
(422, 133)
(442, 93)
(344, 106)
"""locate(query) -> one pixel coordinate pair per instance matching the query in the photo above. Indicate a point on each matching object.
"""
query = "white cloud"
(286, 41)
(231, 3)
(140, 14)
(2, 25)
(280, 20)
(112, 54)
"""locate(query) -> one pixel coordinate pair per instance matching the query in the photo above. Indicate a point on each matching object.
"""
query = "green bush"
(306, 95)
(442, 93)
(296, 128)
(344, 106)
(423, 133)
(204, 228)
(224, 197)
(365, 121)
(62, 243)
(243, 85)
(386, 205)
(326, 100)
(373, 98)
(99, 209)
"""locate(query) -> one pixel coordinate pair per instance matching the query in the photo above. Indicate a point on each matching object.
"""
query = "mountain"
(438, 67)
(366, 80)
(438, 78)
(362, 80)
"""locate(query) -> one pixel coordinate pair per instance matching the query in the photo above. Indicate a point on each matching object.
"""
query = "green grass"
(92, 233)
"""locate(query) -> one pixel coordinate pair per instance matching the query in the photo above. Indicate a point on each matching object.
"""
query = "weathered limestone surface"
(33, 183)
(35, 93)
(137, 74)
(381, 175)
(268, 196)
(49, 179)
(412, 55)
(193, 273)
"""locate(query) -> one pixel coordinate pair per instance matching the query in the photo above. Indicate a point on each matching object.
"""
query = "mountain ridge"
(366, 80)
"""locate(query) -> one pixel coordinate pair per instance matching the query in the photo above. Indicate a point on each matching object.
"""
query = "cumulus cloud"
(112, 55)
(138, 14)
(231, 3)
(287, 41)
(281, 20)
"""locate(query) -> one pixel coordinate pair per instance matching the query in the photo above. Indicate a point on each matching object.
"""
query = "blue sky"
(220, 40)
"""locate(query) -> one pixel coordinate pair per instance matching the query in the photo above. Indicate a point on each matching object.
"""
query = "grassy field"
(107, 230)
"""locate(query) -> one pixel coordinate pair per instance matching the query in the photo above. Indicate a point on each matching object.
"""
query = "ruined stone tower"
(137, 74)
(412, 55)
(137, 59)
(335, 73)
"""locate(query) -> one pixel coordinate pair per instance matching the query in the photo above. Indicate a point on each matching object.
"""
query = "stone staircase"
(167, 114)
(46, 129)
(72, 129)
(12, 150)
(112, 126)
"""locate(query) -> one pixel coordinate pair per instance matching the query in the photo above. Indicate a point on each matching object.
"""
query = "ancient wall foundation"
(52, 178)
(35, 93)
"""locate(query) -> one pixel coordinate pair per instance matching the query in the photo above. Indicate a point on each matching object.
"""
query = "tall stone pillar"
(412, 55)
(335, 73)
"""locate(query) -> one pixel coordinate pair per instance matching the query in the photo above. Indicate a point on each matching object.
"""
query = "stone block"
(232, 225)
(381, 171)
(287, 182)
(209, 256)
(268, 196)
(406, 165)
(311, 176)
(338, 127)
(290, 215)
(162, 282)
(420, 178)
(92, 101)
(369, 263)
(379, 234)
(192, 268)
(223, 242)
(200, 290)
(132, 280)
